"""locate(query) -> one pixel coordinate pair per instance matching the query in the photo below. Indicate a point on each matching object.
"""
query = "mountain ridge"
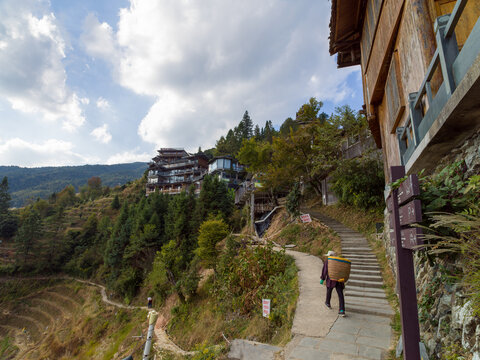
(40, 182)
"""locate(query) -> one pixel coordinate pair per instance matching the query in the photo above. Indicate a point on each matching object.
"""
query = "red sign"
(266, 307)
(306, 218)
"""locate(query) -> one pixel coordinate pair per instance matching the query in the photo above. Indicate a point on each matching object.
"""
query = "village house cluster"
(174, 170)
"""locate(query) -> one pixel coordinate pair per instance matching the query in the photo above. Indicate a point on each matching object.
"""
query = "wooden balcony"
(438, 123)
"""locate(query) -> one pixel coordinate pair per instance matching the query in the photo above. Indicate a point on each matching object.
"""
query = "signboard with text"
(266, 307)
(405, 210)
(305, 218)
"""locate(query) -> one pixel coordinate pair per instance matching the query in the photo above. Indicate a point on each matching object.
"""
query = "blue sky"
(110, 81)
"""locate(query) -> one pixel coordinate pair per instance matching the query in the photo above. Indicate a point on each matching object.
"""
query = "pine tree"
(28, 234)
(247, 128)
(4, 196)
(256, 133)
(116, 203)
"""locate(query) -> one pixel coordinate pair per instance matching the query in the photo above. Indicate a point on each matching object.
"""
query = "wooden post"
(405, 280)
(252, 211)
(448, 52)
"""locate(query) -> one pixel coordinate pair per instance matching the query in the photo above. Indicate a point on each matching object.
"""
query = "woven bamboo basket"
(338, 268)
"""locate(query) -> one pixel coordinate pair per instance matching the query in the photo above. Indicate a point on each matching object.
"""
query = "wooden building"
(173, 170)
(227, 169)
(420, 67)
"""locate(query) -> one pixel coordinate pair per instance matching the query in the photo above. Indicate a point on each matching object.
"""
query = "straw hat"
(331, 253)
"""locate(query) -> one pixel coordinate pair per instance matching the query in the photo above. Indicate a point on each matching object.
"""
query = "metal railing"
(419, 121)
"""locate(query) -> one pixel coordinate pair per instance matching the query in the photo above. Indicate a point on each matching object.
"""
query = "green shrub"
(359, 182)
(450, 189)
(253, 274)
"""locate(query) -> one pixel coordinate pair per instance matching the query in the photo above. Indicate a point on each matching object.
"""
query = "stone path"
(317, 332)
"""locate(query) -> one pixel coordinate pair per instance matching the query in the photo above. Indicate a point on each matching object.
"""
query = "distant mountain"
(33, 183)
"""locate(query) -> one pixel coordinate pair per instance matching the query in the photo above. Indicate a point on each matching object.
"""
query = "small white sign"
(305, 218)
(266, 307)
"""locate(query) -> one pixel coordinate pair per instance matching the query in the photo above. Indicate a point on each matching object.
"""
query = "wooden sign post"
(405, 210)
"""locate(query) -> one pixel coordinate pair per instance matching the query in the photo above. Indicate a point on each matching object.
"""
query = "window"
(394, 95)
(369, 26)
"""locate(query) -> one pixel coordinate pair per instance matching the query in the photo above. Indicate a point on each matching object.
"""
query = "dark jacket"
(330, 283)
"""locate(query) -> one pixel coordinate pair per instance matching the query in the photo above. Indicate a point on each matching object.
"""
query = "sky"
(111, 81)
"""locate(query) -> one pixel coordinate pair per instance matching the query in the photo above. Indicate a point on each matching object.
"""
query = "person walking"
(332, 284)
(149, 302)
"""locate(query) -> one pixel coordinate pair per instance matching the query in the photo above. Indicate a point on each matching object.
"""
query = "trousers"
(341, 299)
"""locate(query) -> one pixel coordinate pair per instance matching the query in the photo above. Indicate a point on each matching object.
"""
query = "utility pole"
(152, 319)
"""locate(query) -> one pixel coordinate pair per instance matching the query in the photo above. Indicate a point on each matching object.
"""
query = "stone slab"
(301, 353)
(251, 350)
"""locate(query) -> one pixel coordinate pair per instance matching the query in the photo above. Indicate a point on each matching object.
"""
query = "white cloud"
(102, 134)
(97, 38)
(52, 152)
(207, 62)
(128, 157)
(32, 74)
(103, 103)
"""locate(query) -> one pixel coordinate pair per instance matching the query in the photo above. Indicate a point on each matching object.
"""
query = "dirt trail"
(162, 342)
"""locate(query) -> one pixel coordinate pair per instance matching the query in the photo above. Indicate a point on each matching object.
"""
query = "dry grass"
(313, 238)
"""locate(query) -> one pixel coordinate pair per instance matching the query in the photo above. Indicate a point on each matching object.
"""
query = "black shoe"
(328, 306)
(341, 313)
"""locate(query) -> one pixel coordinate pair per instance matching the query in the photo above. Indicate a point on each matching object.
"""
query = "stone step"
(348, 234)
(244, 349)
(366, 272)
(359, 301)
(369, 310)
(359, 256)
(354, 244)
(356, 276)
(366, 284)
(357, 249)
(365, 294)
(351, 287)
(365, 261)
(357, 265)
(364, 256)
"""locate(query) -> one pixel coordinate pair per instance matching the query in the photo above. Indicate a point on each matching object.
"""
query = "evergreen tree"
(4, 196)
(256, 133)
(28, 234)
(214, 200)
(119, 238)
(246, 126)
(269, 131)
(211, 232)
(8, 221)
(116, 203)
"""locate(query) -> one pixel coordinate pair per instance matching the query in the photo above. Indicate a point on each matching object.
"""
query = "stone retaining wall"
(446, 320)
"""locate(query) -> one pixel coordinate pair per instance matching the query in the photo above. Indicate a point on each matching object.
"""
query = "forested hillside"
(33, 183)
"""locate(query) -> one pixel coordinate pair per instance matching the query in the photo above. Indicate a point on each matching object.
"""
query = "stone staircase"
(364, 292)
